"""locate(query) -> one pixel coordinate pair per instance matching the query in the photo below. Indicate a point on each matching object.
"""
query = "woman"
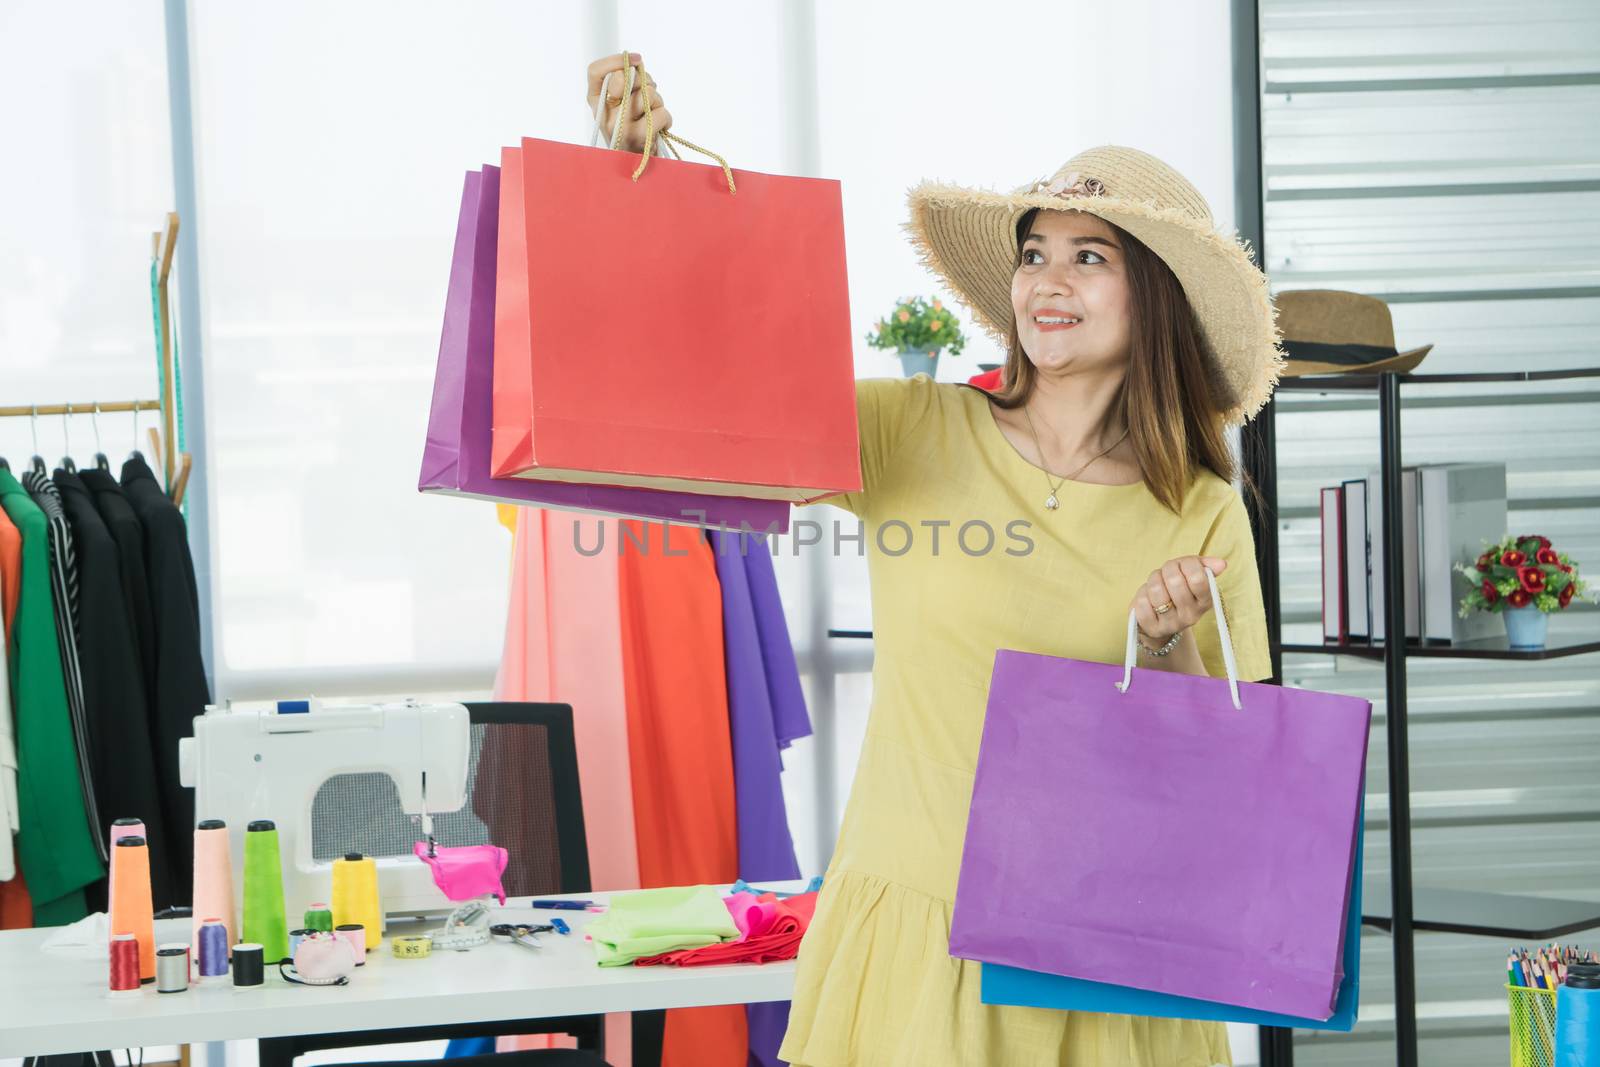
(1135, 335)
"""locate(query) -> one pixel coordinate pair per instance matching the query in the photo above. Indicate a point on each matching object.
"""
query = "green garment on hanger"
(55, 844)
(654, 921)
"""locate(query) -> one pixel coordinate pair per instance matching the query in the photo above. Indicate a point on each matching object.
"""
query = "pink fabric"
(752, 916)
(564, 644)
(468, 871)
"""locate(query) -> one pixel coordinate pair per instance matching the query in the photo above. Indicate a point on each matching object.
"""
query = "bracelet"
(1172, 643)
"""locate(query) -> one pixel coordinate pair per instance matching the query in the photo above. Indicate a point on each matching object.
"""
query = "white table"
(54, 1004)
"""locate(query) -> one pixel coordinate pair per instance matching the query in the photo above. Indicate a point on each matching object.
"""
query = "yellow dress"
(876, 984)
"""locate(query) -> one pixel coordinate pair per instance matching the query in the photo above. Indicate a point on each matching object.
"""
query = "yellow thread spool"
(355, 896)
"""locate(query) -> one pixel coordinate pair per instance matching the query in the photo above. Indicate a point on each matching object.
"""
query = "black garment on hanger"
(125, 780)
(180, 676)
(64, 596)
(114, 508)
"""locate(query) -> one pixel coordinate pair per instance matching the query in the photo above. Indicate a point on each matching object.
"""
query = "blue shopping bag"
(1034, 989)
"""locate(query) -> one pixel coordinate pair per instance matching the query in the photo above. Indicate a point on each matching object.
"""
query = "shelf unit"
(1409, 909)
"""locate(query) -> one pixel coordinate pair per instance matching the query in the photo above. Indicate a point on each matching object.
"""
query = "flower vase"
(915, 361)
(1526, 627)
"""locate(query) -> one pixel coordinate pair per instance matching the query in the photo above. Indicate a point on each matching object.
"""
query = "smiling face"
(1072, 267)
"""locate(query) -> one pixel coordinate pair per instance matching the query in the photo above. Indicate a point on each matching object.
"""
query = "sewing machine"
(248, 765)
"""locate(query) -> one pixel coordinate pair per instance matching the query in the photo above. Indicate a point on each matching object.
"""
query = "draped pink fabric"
(564, 644)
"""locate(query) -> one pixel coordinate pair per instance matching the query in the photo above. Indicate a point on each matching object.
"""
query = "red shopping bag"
(669, 333)
(1184, 835)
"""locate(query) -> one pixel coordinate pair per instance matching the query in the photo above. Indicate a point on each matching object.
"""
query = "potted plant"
(919, 330)
(1524, 579)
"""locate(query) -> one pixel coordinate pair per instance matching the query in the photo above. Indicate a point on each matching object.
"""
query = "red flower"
(1547, 555)
(1565, 596)
(1532, 579)
(1512, 558)
(1485, 561)
(1490, 593)
(1544, 542)
(1518, 598)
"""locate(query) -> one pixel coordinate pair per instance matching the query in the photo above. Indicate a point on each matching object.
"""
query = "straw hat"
(1330, 331)
(969, 238)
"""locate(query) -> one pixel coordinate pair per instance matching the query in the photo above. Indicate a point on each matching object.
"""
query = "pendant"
(1051, 502)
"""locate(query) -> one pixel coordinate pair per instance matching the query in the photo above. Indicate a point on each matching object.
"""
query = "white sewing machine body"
(247, 765)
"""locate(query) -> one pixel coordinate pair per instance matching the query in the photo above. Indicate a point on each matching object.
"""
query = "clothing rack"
(164, 243)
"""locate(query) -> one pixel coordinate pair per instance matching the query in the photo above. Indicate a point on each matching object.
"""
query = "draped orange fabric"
(16, 910)
(679, 748)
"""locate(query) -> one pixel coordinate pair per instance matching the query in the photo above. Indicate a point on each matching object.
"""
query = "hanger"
(37, 463)
(66, 436)
(101, 463)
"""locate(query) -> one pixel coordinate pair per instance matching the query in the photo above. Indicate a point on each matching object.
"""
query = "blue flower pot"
(1526, 627)
(915, 361)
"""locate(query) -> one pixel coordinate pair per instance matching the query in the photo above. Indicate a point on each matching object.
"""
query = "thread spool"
(123, 978)
(213, 949)
(297, 936)
(131, 909)
(172, 967)
(121, 828)
(264, 923)
(248, 968)
(213, 879)
(319, 917)
(356, 934)
(355, 895)
(1577, 1035)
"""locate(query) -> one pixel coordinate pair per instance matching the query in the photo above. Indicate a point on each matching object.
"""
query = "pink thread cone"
(213, 879)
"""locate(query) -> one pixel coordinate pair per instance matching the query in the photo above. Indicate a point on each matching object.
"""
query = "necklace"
(1051, 502)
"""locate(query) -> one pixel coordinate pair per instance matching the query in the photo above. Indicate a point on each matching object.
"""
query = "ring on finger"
(1164, 608)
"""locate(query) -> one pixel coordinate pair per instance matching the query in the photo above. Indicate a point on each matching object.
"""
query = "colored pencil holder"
(264, 922)
(1533, 1026)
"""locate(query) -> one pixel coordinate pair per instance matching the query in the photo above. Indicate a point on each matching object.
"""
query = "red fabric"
(989, 380)
(16, 910)
(780, 942)
(679, 749)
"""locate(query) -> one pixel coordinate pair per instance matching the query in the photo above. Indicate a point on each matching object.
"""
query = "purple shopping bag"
(455, 459)
(1185, 835)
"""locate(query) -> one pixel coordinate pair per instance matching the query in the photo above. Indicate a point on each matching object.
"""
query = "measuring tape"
(412, 948)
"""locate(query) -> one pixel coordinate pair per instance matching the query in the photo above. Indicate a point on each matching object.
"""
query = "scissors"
(524, 934)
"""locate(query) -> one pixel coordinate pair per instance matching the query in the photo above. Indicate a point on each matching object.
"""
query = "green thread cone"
(264, 921)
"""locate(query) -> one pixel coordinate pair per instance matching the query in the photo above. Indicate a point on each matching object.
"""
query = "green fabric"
(660, 920)
(55, 845)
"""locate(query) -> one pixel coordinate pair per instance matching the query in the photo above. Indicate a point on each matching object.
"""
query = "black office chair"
(523, 794)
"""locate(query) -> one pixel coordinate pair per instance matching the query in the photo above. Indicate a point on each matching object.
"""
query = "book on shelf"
(1358, 621)
(1406, 574)
(1462, 505)
(1334, 624)
(1448, 511)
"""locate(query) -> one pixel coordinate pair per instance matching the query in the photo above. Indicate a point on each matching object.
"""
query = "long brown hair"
(1169, 399)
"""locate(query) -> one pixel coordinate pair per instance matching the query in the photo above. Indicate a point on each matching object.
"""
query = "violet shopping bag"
(455, 459)
(1180, 834)
(1034, 989)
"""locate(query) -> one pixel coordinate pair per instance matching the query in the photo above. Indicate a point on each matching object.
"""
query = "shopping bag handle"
(651, 145)
(1222, 630)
